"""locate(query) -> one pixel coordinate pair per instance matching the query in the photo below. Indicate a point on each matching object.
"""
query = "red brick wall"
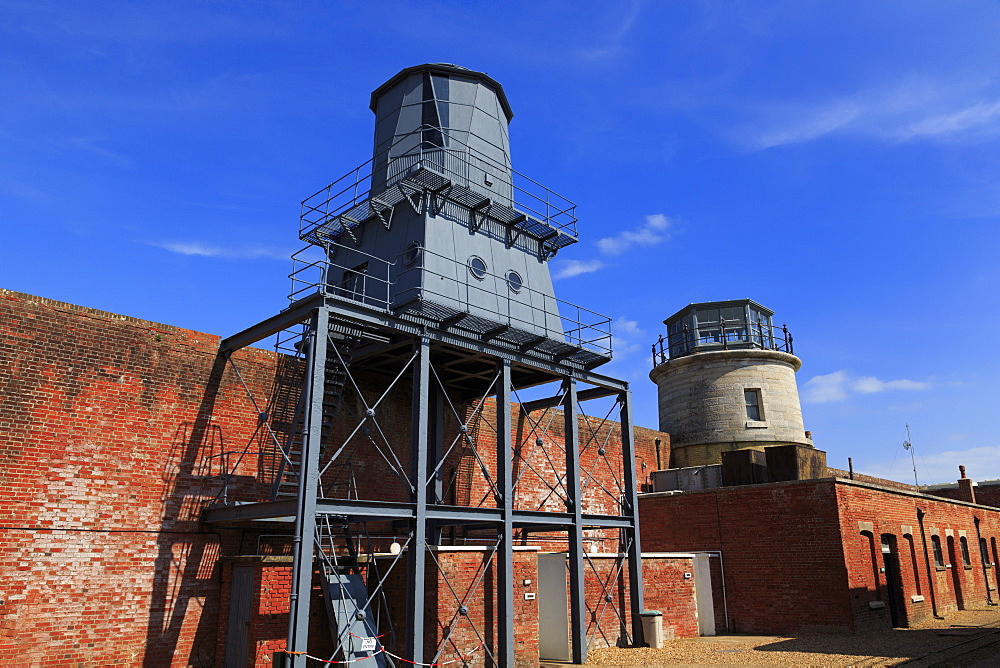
(268, 616)
(665, 589)
(458, 575)
(538, 467)
(110, 431)
(780, 548)
(808, 555)
(534, 462)
(895, 514)
(113, 435)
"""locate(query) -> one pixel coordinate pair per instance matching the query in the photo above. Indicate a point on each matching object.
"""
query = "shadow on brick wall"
(185, 591)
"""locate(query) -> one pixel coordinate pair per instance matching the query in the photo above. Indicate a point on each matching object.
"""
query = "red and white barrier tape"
(464, 657)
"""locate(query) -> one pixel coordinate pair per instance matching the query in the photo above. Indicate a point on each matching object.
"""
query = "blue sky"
(836, 161)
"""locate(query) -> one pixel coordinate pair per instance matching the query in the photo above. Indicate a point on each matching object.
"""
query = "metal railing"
(373, 287)
(453, 159)
(724, 335)
(389, 285)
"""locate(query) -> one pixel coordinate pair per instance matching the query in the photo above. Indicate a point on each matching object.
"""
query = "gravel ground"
(886, 648)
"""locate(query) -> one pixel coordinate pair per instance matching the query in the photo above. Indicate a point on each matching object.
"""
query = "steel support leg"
(417, 562)
(577, 600)
(631, 510)
(435, 450)
(305, 516)
(505, 551)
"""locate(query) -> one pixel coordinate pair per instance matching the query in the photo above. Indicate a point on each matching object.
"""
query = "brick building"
(116, 432)
(834, 554)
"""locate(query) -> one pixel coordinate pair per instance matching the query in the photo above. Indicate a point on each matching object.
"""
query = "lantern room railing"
(351, 198)
(723, 335)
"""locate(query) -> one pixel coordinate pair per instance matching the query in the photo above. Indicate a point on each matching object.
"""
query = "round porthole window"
(477, 267)
(412, 254)
(514, 281)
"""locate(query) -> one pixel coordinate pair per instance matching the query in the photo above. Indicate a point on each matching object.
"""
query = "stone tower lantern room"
(726, 381)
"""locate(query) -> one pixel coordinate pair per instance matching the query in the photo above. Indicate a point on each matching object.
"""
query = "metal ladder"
(286, 480)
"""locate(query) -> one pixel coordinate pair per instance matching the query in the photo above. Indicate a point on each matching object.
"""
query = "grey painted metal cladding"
(450, 124)
(457, 100)
(438, 275)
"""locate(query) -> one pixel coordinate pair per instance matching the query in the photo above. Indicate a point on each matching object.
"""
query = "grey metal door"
(553, 608)
(240, 603)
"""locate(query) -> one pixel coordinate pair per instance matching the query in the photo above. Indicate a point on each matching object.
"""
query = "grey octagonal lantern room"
(456, 116)
(734, 324)
(439, 224)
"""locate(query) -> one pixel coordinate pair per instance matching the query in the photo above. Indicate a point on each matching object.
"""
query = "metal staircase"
(352, 624)
(340, 353)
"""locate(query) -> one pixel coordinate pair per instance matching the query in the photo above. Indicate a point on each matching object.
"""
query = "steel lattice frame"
(424, 511)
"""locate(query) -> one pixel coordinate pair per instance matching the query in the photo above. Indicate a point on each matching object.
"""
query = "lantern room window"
(727, 325)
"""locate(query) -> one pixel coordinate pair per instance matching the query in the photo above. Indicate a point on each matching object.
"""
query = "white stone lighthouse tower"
(726, 381)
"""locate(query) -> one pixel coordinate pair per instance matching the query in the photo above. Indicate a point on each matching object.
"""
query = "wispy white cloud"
(93, 146)
(628, 336)
(626, 326)
(19, 188)
(814, 123)
(981, 463)
(612, 44)
(200, 249)
(871, 384)
(839, 385)
(655, 230)
(911, 110)
(981, 115)
(571, 268)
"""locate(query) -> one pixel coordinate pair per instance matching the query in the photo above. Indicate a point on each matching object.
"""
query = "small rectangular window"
(966, 559)
(353, 284)
(938, 555)
(755, 411)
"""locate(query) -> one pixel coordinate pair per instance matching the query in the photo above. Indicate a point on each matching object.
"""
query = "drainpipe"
(927, 561)
(982, 556)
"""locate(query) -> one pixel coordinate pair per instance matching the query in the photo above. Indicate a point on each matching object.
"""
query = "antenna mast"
(908, 445)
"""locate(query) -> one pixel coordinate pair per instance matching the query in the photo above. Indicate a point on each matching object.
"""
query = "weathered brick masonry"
(110, 434)
(868, 513)
(807, 555)
(115, 432)
(666, 590)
